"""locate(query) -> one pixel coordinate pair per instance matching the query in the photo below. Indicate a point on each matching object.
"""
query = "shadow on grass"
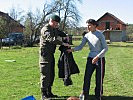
(117, 98)
(127, 46)
(92, 97)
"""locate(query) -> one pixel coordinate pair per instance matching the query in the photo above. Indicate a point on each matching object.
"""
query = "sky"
(122, 9)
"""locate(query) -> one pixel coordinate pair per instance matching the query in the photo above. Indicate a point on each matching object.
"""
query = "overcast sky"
(122, 9)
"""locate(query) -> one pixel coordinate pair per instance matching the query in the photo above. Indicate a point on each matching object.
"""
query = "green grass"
(22, 78)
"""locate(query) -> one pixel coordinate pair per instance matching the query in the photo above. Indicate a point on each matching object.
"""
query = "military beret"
(55, 18)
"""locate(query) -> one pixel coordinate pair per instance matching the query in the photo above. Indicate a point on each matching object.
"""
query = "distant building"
(14, 25)
(113, 28)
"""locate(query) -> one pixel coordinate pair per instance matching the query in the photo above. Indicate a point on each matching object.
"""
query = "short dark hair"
(55, 18)
(92, 21)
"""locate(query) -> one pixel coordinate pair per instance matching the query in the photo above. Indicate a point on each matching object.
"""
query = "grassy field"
(21, 78)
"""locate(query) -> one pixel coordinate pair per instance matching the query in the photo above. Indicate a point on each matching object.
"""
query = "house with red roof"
(15, 26)
(112, 27)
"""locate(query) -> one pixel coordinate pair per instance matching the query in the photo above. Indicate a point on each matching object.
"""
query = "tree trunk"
(0, 43)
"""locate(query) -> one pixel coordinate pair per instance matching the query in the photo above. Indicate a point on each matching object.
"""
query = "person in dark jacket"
(50, 37)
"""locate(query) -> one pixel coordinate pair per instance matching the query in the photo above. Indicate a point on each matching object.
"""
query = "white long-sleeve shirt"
(96, 42)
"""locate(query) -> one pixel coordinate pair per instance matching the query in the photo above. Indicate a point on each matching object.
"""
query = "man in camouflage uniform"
(50, 37)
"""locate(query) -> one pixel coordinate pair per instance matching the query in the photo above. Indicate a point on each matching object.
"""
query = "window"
(107, 25)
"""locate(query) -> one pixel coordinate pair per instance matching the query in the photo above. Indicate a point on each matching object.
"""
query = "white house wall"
(116, 36)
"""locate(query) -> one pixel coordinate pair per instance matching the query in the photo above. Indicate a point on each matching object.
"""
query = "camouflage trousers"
(47, 72)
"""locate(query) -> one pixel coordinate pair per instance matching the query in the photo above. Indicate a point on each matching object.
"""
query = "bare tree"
(17, 14)
(69, 13)
(4, 29)
(31, 27)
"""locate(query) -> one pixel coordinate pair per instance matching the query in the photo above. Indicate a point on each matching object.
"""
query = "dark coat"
(66, 63)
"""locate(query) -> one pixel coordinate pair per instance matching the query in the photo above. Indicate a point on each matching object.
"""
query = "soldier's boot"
(44, 94)
(50, 94)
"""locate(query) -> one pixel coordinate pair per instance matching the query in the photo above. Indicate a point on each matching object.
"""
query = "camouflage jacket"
(49, 39)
